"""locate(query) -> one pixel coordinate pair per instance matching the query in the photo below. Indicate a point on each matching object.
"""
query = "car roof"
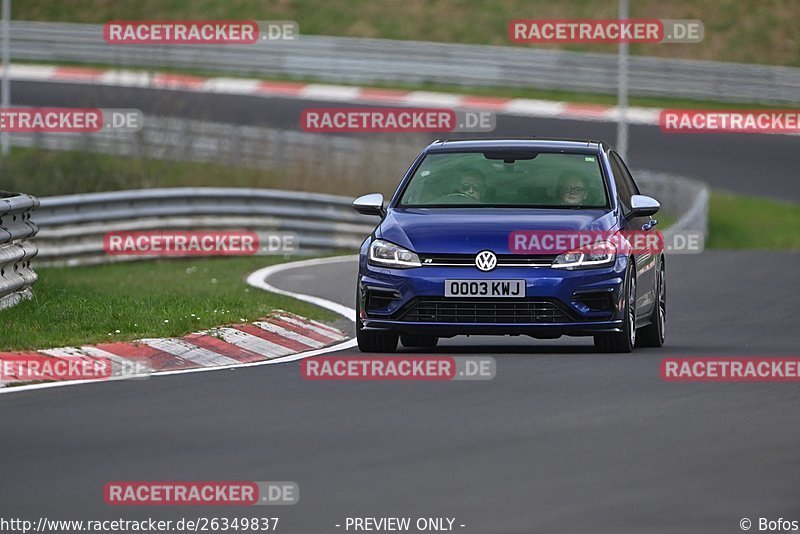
(457, 145)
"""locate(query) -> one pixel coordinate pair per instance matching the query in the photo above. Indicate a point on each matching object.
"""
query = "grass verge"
(128, 301)
(53, 172)
(736, 221)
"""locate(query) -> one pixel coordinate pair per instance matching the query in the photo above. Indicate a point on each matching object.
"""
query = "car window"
(627, 176)
(502, 179)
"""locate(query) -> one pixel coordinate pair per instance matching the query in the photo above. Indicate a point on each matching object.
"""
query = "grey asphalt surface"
(764, 165)
(563, 439)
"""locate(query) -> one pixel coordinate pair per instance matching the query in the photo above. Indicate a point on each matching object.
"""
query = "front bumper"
(387, 296)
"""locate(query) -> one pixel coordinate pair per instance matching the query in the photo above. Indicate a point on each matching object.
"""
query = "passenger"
(572, 188)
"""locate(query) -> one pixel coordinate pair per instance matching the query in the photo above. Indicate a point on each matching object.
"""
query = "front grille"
(441, 310)
(503, 260)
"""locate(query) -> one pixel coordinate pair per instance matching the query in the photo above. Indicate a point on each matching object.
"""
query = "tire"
(372, 341)
(653, 335)
(419, 342)
(622, 341)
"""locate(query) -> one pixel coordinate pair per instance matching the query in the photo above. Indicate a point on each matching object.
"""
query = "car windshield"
(506, 179)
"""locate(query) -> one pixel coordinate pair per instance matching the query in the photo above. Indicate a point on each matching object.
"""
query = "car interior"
(522, 183)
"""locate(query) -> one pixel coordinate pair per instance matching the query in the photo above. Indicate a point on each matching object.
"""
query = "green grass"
(54, 172)
(580, 98)
(132, 300)
(737, 221)
(735, 30)
(44, 172)
(665, 220)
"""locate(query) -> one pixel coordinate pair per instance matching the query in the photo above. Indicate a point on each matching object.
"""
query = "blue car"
(469, 244)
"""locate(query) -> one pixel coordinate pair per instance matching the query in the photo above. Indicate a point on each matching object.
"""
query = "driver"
(572, 188)
(472, 184)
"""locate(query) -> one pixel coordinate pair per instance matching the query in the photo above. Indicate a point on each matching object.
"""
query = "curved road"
(763, 165)
(563, 439)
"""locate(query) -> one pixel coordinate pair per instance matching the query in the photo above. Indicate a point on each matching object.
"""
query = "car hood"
(470, 230)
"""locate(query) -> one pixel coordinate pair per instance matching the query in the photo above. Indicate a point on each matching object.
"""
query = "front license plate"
(484, 288)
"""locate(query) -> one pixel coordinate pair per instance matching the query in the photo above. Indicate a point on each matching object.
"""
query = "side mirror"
(642, 206)
(371, 204)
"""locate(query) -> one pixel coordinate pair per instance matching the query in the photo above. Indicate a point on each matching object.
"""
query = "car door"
(646, 260)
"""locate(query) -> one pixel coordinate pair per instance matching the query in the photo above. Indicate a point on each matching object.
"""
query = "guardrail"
(179, 139)
(16, 251)
(300, 155)
(73, 226)
(349, 60)
(299, 159)
(687, 199)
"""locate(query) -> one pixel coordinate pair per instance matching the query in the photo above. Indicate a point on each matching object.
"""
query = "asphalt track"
(763, 165)
(562, 440)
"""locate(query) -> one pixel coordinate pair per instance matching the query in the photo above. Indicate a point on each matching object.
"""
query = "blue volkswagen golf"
(449, 256)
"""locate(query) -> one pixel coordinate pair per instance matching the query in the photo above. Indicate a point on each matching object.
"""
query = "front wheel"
(622, 341)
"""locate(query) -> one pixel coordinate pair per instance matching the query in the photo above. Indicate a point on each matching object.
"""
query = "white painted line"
(429, 99)
(258, 279)
(250, 342)
(534, 108)
(231, 86)
(294, 336)
(31, 72)
(641, 115)
(126, 78)
(187, 351)
(329, 92)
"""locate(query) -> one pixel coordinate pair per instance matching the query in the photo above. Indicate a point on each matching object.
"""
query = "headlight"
(388, 254)
(599, 255)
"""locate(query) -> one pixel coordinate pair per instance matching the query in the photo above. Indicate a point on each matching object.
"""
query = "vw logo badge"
(486, 260)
